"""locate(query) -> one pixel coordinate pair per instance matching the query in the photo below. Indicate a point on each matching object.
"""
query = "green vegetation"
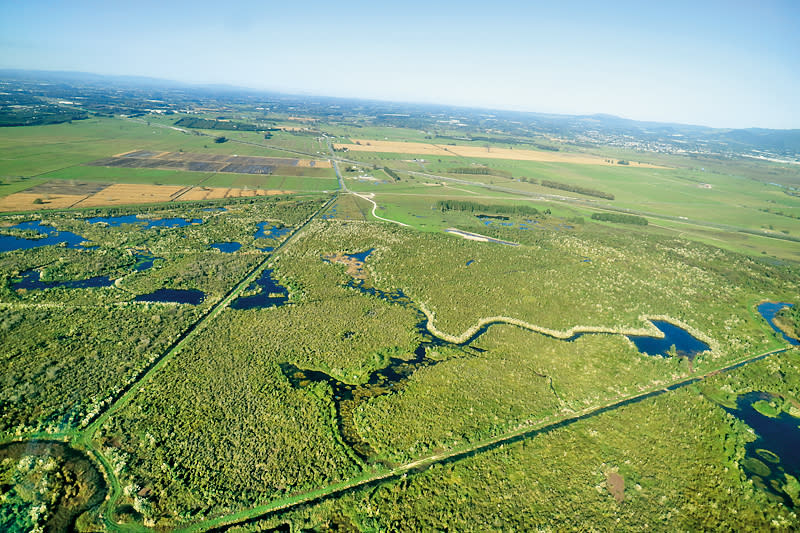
(472, 207)
(575, 188)
(788, 319)
(620, 218)
(687, 478)
(45, 487)
(194, 413)
(206, 124)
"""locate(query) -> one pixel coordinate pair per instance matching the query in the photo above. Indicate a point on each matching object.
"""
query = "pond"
(178, 296)
(685, 344)
(144, 262)
(268, 230)
(31, 279)
(227, 247)
(768, 310)
(148, 222)
(51, 236)
(774, 453)
(271, 293)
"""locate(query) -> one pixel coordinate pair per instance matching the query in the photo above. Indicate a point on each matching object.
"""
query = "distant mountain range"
(781, 145)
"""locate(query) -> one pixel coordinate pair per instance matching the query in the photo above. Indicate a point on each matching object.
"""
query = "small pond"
(685, 344)
(148, 222)
(774, 453)
(768, 310)
(51, 236)
(178, 296)
(31, 279)
(271, 294)
(227, 247)
(268, 230)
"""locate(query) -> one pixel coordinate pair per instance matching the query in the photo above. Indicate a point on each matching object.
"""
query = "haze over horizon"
(720, 64)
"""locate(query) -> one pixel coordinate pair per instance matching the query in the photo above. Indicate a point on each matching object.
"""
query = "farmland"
(430, 331)
(486, 152)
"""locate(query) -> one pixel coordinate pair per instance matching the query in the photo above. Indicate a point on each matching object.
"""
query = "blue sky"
(723, 64)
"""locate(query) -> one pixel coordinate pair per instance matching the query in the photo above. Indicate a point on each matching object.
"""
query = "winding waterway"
(397, 370)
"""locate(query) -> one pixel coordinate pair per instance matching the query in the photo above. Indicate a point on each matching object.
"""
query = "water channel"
(347, 397)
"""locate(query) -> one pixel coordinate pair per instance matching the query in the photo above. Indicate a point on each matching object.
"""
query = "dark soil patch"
(616, 486)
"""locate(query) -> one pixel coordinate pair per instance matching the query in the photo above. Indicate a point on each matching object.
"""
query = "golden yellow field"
(126, 193)
(24, 201)
(368, 145)
(316, 163)
(213, 193)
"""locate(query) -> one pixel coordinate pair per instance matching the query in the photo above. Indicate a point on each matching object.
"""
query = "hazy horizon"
(718, 64)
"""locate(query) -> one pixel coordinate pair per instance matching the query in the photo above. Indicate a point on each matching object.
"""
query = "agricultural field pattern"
(217, 315)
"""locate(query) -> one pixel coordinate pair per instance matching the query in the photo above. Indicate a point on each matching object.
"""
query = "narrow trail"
(375, 206)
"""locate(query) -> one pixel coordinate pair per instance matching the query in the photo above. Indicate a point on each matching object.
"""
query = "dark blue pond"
(330, 214)
(775, 451)
(178, 296)
(52, 236)
(214, 209)
(31, 281)
(685, 344)
(144, 262)
(148, 222)
(270, 294)
(361, 256)
(267, 230)
(470, 262)
(227, 247)
(768, 311)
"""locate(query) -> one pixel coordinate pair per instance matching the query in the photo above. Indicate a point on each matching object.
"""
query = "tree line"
(620, 218)
(472, 207)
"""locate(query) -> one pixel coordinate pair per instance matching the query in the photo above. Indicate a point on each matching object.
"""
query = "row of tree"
(620, 218)
(473, 207)
(577, 188)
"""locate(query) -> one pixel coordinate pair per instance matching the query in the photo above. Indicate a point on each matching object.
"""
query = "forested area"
(520, 377)
(677, 455)
(626, 276)
(67, 351)
(61, 364)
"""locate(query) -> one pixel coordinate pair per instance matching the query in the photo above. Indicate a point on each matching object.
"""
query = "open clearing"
(368, 145)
